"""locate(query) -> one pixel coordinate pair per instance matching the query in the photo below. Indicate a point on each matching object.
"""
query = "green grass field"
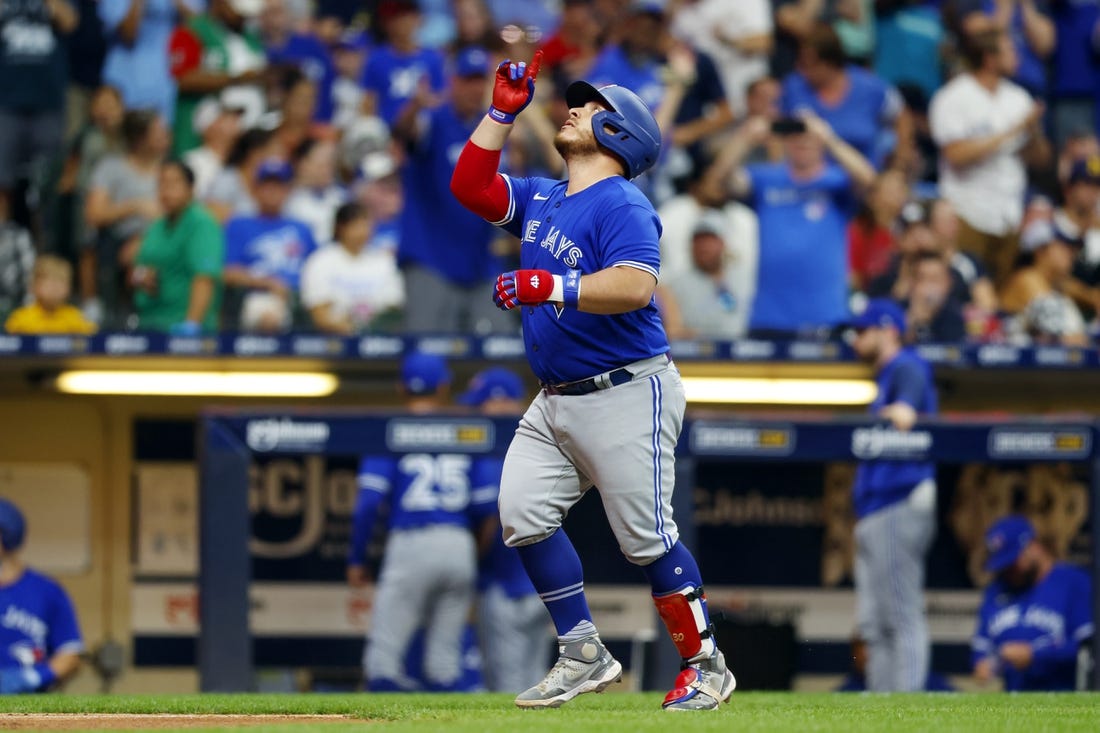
(629, 713)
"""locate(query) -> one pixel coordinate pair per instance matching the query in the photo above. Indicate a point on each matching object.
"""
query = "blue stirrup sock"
(555, 571)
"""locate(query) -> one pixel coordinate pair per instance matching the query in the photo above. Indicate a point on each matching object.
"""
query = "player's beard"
(575, 146)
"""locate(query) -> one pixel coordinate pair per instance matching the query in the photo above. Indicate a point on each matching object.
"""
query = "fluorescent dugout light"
(730, 390)
(213, 384)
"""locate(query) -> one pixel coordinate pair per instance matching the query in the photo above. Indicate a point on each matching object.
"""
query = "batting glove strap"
(504, 118)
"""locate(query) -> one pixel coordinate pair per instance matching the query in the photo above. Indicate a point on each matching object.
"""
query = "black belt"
(592, 384)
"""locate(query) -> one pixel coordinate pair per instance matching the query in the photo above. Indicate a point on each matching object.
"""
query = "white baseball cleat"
(583, 666)
(702, 685)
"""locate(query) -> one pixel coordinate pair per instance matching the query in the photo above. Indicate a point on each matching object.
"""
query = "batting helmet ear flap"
(626, 128)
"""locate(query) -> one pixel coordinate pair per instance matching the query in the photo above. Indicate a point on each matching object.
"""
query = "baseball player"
(513, 627)
(40, 642)
(611, 406)
(1034, 615)
(895, 504)
(429, 566)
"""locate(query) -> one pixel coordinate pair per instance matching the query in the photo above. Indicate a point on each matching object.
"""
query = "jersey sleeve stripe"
(1083, 632)
(483, 496)
(374, 483)
(511, 203)
(981, 644)
(638, 266)
(76, 646)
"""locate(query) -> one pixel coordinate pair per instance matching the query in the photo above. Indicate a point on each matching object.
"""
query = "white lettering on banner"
(407, 435)
(500, 347)
(1015, 443)
(125, 344)
(998, 354)
(56, 344)
(10, 344)
(735, 440)
(443, 346)
(813, 350)
(268, 434)
(380, 346)
(255, 345)
(879, 442)
(749, 349)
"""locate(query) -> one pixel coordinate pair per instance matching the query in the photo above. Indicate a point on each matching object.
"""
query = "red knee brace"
(686, 622)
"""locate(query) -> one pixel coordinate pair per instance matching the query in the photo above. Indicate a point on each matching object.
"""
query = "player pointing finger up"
(611, 405)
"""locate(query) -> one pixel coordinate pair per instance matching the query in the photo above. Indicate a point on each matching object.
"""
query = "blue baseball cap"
(1005, 540)
(12, 525)
(274, 169)
(491, 384)
(472, 61)
(423, 373)
(880, 312)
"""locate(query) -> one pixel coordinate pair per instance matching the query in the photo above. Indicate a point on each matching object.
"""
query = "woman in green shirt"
(178, 271)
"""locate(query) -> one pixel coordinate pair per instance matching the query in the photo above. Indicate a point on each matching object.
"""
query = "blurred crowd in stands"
(271, 165)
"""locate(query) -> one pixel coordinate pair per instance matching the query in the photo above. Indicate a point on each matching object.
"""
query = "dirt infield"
(134, 721)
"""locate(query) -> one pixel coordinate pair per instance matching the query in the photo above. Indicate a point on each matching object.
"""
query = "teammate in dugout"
(1034, 615)
(895, 504)
(427, 580)
(40, 642)
(513, 626)
(611, 405)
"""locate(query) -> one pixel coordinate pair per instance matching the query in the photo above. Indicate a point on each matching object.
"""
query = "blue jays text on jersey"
(36, 621)
(608, 224)
(421, 490)
(1054, 616)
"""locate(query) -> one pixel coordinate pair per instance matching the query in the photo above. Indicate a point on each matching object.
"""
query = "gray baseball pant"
(427, 580)
(890, 548)
(516, 640)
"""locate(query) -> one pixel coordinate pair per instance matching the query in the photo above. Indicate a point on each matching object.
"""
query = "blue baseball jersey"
(608, 224)
(314, 60)
(863, 119)
(1054, 616)
(392, 77)
(802, 277)
(36, 621)
(438, 232)
(269, 247)
(420, 489)
(501, 565)
(882, 483)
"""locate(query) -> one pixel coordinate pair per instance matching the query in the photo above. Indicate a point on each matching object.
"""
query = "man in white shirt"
(987, 129)
(737, 36)
(348, 288)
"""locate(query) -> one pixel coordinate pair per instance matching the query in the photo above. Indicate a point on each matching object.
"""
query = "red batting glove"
(523, 287)
(514, 88)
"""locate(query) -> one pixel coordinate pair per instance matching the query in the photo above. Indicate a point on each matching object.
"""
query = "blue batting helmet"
(627, 129)
(12, 525)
